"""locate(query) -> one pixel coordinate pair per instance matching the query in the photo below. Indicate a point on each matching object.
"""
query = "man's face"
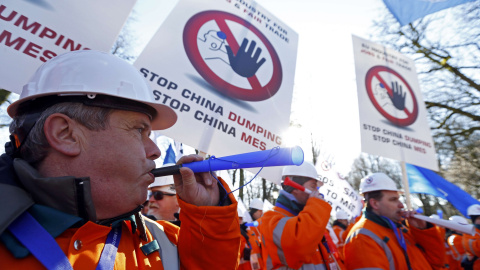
(389, 206)
(301, 196)
(343, 221)
(258, 214)
(165, 208)
(118, 161)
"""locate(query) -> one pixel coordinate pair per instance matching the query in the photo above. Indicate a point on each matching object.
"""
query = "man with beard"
(163, 202)
(379, 240)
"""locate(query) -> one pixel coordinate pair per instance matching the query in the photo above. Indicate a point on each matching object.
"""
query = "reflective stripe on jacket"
(294, 242)
(373, 246)
(455, 243)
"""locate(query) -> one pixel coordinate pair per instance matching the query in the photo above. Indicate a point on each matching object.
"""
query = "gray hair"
(35, 147)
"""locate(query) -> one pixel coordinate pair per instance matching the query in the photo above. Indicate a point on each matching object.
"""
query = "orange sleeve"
(427, 239)
(457, 242)
(471, 243)
(209, 235)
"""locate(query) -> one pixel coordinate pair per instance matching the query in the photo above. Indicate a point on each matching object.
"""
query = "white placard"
(338, 192)
(393, 118)
(225, 106)
(31, 32)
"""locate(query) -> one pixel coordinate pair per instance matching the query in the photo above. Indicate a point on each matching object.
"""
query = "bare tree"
(446, 50)
(4, 98)
(366, 164)
(127, 40)
(463, 168)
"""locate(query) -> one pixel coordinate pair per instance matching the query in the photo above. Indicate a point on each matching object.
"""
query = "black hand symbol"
(397, 97)
(243, 63)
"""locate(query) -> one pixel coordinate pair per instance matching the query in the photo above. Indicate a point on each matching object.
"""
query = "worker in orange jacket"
(449, 262)
(255, 238)
(245, 250)
(75, 175)
(341, 228)
(380, 241)
(294, 230)
(471, 243)
(455, 243)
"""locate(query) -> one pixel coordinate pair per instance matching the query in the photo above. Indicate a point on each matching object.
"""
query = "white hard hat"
(473, 210)
(459, 219)
(341, 214)
(88, 73)
(377, 181)
(306, 169)
(256, 204)
(164, 183)
(435, 216)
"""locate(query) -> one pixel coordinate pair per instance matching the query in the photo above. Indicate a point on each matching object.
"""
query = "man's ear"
(62, 134)
(373, 203)
(296, 192)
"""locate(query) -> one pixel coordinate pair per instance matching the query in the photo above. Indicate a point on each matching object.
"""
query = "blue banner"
(407, 11)
(169, 156)
(421, 180)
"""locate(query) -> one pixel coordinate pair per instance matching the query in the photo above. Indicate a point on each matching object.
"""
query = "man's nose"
(152, 150)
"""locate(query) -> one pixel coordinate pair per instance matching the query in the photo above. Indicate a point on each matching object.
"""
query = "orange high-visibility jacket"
(255, 239)
(448, 251)
(296, 241)
(457, 250)
(372, 246)
(451, 261)
(471, 244)
(209, 238)
(243, 264)
(341, 236)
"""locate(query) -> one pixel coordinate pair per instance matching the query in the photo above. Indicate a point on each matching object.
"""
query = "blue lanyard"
(400, 239)
(398, 235)
(107, 259)
(40, 243)
(44, 247)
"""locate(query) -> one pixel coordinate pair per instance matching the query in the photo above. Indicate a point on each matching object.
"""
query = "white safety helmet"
(306, 169)
(89, 73)
(377, 181)
(341, 214)
(458, 219)
(473, 210)
(164, 183)
(256, 204)
(435, 216)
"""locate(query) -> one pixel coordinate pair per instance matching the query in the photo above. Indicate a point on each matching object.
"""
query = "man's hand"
(199, 189)
(315, 193)
(245, 63)
(415, 222)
